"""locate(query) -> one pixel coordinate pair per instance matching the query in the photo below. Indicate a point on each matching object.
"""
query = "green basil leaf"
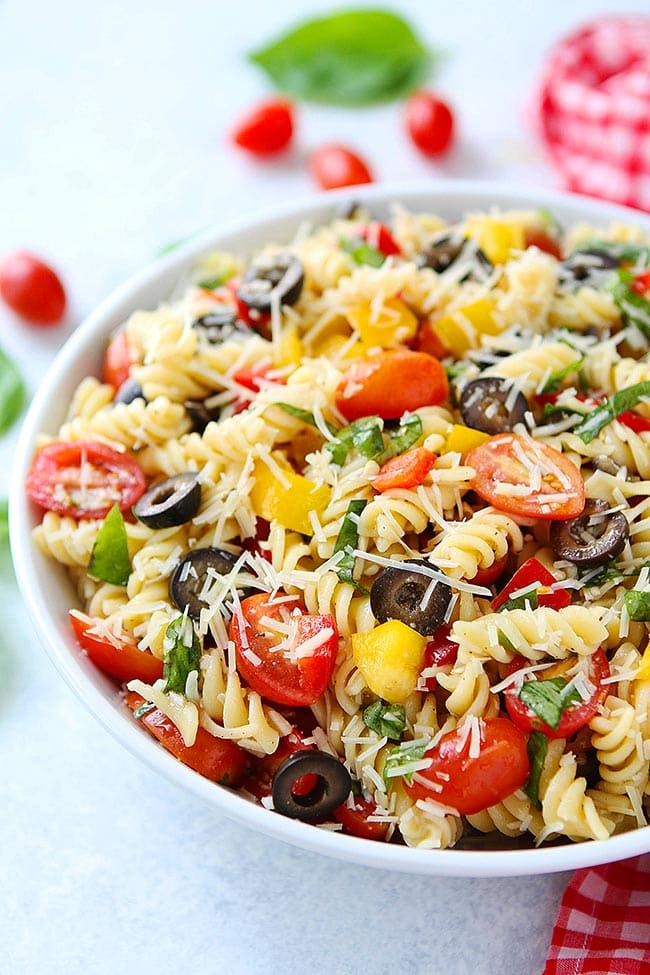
(408, 433)
(537, 748)
(549, 221)
(637, 604)
(526, 600)
(634, 308)
(354, 57)
(363, 253)
(620, 402)
(386, 719)
(346, 541)
(556, 379)
(620, 250)
(143, 709)
(400, 757)
(182, 653)
(505, 642)
(109, 559)
(305, 416)
(12, 392)
(364, 434)
(457, 369)
(549, 698)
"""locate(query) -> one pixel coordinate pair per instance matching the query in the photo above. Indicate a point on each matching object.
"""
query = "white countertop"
(112, 121)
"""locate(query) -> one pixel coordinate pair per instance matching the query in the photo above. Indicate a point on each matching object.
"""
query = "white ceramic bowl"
(49, 595)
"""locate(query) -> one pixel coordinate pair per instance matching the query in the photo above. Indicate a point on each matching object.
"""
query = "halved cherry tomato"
(439, 651)
(333, 165)
(356, 821)
(429, 122)
(634, 421)
(407, 470)
(574, 717)
(260, 781)
(84, 480)
(426, 340)
(121, 660)
(117, 360)
(532, 573)
(524, 476)
(32, 289)
(469, 784)
(251, 377)
(391, 383)
(268, 649)
(641, 283)
(216, 759)
(266, 129)
(488, 575)
(534, 237)
(379, 236)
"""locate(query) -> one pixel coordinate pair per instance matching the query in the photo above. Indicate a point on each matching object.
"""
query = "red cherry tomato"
(260, 781)
(407, 470)
(390, 384)
(270, 659)
(488, 575)
(439, 651)
(216, 759)
(533, 237)
(574, 717)
(114, 657)
(32, 289)
(267, 129)
(379, 236)
(426, 340)
(252, 377)
(84, 480)
(117, 360)
(356, 821)
(429, 123)
(333, 165)
(532, 573)
(641, 283)
(469, 783)
(635, 422)
(508, 461)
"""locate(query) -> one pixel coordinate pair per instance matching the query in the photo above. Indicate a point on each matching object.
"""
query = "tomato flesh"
(280, 673)
(216, 759)
(333, 166)
(429, 123)
(118, 659)
(641, 283)
(573, 718)
(534, 237)
(634, 421)
(507, 467)
(117, 361)
(356, 821)
(439, 652)
(260, 781)
(533, 573)
(407, 470)
(390, 384)
(266, 129)
(84, 480)
(32, 289)
(470, 784)
(379, 236)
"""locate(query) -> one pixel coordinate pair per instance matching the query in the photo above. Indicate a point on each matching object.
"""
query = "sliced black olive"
(221, 324)
(128, 391)
(332, 786)
(592, 538)
(407, 595)
(283, 275)
(170, 502)
(488, 404)
(190, 575)
(589, 266)
(446, 250)
(201, 412)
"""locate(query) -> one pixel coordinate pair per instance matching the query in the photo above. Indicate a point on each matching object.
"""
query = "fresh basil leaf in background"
(12, 393)
(537, 748)
(351, 58)
(634, 308)
(182, 653)
(619, 250)
(362, 253)
(109, 559)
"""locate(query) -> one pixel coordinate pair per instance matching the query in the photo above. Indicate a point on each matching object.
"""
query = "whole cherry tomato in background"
(429, 123)
(333, 165)
(31, 288)
(267, 128)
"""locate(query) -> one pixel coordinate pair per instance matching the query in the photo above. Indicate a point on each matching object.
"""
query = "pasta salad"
(360, 524)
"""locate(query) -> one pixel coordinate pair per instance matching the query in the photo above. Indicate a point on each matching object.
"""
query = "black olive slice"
(446, 250)
(330, 790)
(282, 275)
(407, 595)
(201, 412)
(588, 266)
(592, 538)
(189, 577)
(220, 324)
(488, 404)
(128, 391)
(170, 502)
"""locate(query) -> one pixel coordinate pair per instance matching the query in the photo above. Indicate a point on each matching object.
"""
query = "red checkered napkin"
(592, 109)
(603, 926)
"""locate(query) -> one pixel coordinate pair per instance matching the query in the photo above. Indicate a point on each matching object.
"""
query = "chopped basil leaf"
(637, 604)
(182, 653)
(400, 757)
(305, 416)
(527, 600)
(549, 221)
(354, 57)
(346, 541)
(537, 748)
(457, 369)
(12, 393)
(363, 253)
(620, 402)
(549, 698)
(505, 642)
(552, 408)
(408, 433)
(364, 434)
(109, 559)
(143, 709)
(210, 284)
(385, 719)
(556, 379)
(610, 571)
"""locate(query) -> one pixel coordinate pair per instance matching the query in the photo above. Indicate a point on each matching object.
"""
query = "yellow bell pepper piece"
(644, 669)
(461, 330)
(332, 346)
(496, 238)
(391, 325)
(288, 498)
(289, 351)
(391, 658)
(462, 439)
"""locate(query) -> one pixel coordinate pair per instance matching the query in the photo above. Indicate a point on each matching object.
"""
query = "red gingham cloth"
(592, 109)
(603, 926)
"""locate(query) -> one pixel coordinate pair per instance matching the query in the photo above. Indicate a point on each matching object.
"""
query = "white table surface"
(112, 122)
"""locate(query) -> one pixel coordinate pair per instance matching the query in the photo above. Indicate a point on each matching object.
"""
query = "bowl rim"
(100, 696)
